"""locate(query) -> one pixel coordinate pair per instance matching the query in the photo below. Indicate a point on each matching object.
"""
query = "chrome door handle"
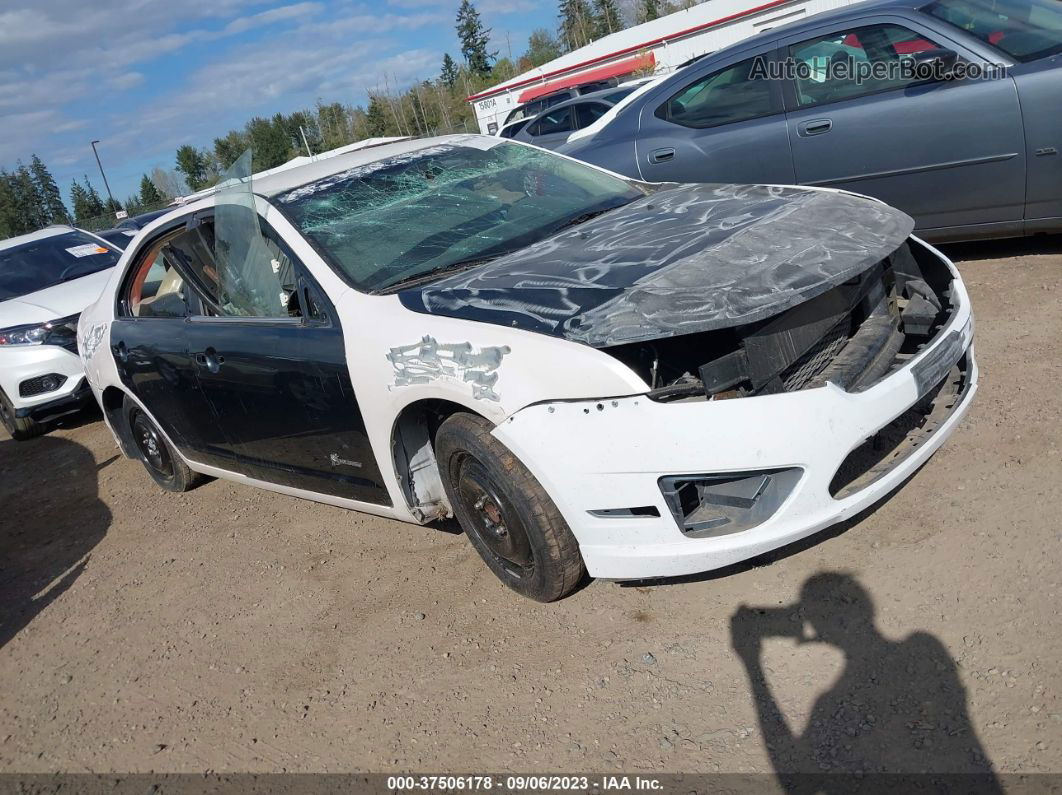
(662, 155)
(814, 127)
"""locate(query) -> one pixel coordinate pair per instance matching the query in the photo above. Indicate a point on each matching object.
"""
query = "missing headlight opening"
(852, 335)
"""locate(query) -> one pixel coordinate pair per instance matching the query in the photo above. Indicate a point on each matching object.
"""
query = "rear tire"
(20, 428)
(159, 458)
(508, 517)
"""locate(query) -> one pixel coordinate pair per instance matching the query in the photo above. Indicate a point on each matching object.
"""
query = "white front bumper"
(19, 363)
(610, 454)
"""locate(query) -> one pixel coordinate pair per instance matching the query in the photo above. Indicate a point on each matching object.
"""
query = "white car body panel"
(580, 421)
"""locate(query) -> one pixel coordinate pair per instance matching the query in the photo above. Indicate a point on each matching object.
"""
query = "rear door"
(551, 129)
(948, 152)
(725, 123)
(149, 339)
(270, 358)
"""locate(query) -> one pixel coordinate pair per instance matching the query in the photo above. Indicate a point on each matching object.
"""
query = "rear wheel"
(20, 428)
(159, 458)
(506, 514)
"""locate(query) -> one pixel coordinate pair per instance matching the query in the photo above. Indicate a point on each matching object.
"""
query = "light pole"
(98, 163)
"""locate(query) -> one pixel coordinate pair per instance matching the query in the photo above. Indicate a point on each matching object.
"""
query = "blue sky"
(145, 76)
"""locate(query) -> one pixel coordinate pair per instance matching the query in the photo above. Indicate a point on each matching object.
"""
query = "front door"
(725, 124)
(270, 359)
(949, 153)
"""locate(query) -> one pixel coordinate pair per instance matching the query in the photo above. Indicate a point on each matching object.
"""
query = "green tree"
(542, 47)
(53, 210)
(149, 194)
(79, 200)
(134, 205)
(606, 18)
(474, 39)
(9, 220)
(649, 10)
(270, 143)
(576, 24)
(228, 148)
(193, 166)
(29, 205)
(449, 71)
(377, 119)
(95, 203)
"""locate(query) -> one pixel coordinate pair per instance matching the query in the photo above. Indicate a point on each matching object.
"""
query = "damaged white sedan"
(590, 373)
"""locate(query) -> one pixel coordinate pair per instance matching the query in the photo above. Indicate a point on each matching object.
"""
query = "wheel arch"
(412, 453)
(112, 401)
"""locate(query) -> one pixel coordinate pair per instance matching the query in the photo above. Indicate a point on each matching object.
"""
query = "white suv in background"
(46, 279)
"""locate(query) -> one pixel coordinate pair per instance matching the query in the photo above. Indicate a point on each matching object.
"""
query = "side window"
(157, 288)
(736, 93)
(589, 112)
(856, 62)
(558, 121)
(254, 279)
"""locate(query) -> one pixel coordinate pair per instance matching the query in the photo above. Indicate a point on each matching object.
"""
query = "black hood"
(684, 259)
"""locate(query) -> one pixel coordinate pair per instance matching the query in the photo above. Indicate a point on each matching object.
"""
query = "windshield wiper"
(582, 218)
(436, 273)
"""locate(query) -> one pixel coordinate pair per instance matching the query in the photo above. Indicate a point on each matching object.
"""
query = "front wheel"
(160, 460)
(20, 428)
(508, 517)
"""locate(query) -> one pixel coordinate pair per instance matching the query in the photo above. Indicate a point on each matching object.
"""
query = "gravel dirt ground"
(231, 629)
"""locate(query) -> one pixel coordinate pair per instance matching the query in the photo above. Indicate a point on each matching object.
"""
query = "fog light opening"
(705, 506)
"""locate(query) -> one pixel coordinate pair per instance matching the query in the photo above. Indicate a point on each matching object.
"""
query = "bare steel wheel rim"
(493, 519)
(151, 445)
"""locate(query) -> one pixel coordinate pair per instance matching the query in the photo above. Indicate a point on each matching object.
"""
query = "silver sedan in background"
(949, 111)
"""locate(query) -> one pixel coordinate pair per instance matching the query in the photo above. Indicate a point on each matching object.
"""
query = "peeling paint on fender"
(429, 360)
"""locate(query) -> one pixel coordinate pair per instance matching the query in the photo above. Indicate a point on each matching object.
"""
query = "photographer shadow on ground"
(52, 518)
(898, 707)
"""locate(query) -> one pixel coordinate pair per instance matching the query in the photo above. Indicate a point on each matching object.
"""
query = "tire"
(159, 458)
(505, 513)
(20, 428)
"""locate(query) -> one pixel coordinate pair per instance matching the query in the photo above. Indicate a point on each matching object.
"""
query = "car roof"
(593, 96)
(283, 181)
(40, 234)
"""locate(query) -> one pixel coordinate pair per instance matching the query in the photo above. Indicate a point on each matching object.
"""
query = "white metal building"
(664, 44)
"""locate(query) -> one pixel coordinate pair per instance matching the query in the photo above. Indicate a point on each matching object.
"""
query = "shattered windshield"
(50, 261)
(445, 207)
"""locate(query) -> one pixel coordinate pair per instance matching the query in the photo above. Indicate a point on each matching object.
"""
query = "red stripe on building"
(633, 48)
(600, 73)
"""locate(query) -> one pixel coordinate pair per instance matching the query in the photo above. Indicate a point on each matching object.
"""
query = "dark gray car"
(836, 101)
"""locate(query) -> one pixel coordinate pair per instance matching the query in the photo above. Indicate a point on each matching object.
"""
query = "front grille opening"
(852, 335)
(881, 453)
(41, 384)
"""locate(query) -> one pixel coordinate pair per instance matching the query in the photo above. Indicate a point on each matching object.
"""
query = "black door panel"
(282, 393)
(152, 359)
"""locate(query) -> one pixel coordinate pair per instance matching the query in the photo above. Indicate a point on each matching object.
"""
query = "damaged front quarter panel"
(460, 362)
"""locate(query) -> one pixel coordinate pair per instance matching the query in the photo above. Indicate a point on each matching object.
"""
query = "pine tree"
(376, 118)
(449, 71)
(53, 210)
(9, 222)
(193, 166)
(270, 142)
(95, 205)
(82, 204)
(606, 18)
(29, 205)
(149, 194)
(576, 24)
(474, 40)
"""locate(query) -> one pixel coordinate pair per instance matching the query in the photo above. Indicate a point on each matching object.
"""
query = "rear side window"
(736, 93)
(589, 112)
(557, 121)
(855, 62)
